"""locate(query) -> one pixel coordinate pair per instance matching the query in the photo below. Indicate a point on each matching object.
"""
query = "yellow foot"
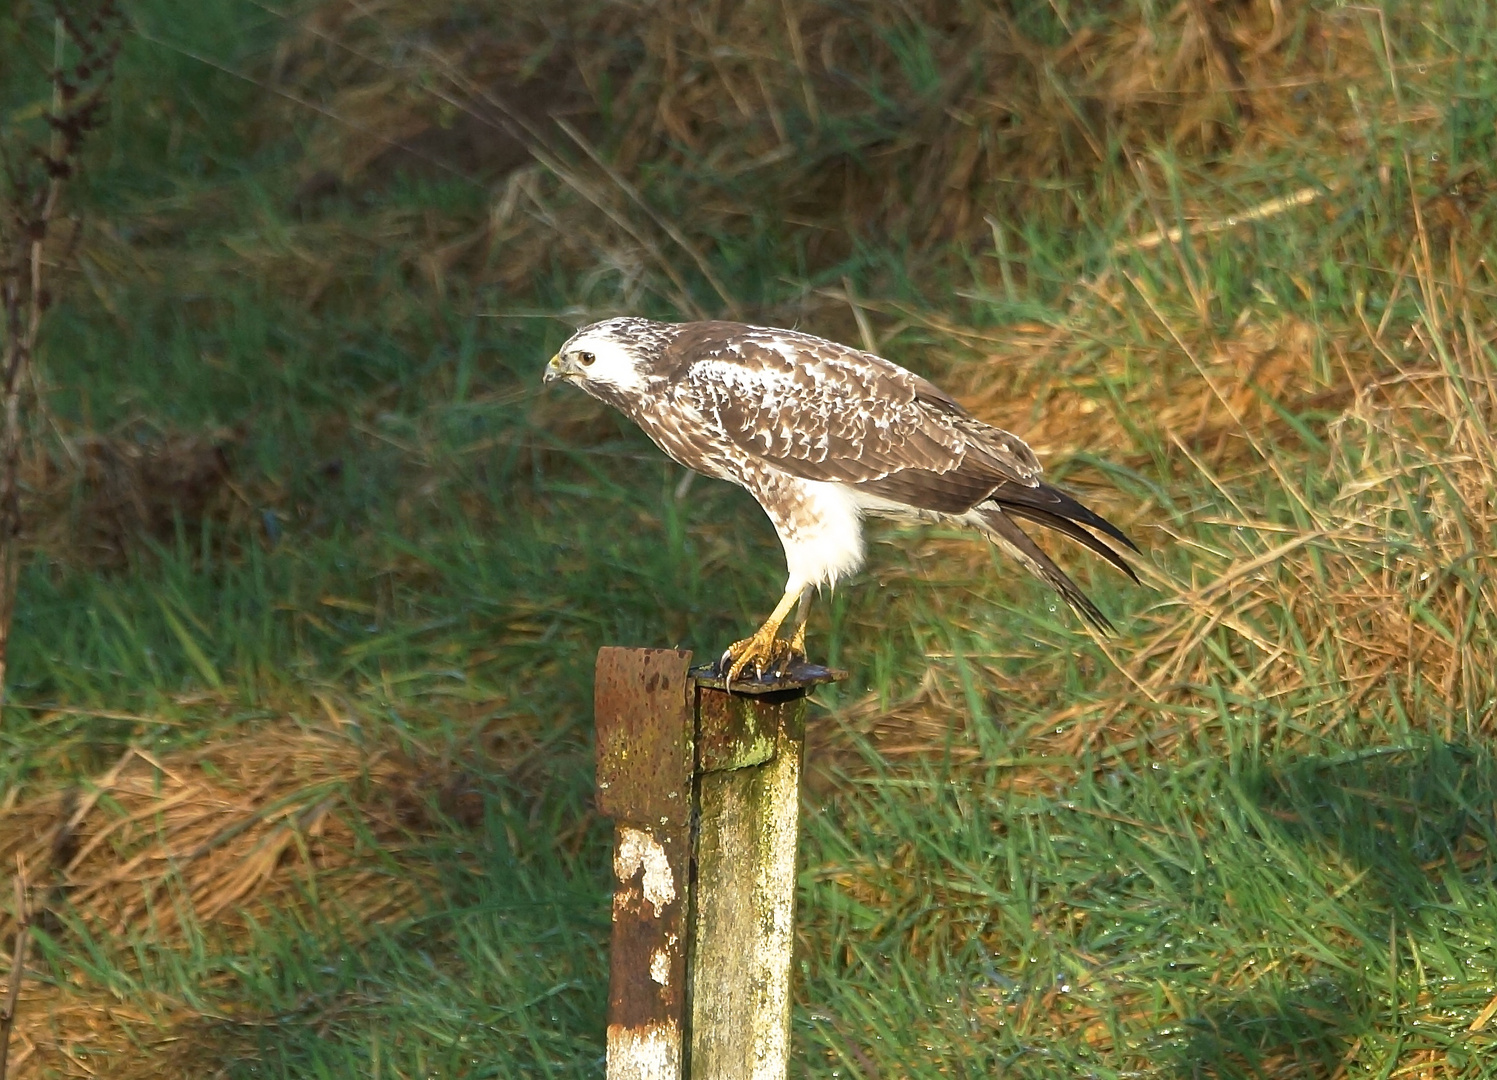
(763, 650)
(798, 641)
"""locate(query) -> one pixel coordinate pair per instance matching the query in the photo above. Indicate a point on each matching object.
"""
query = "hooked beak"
(554, 370)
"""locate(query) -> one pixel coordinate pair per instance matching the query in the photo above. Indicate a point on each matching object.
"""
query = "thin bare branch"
(17, 962)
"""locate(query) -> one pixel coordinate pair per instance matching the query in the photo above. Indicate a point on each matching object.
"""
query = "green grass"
(1141, 889)
(1266, 865)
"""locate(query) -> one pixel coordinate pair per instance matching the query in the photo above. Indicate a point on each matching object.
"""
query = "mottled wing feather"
(824, 411)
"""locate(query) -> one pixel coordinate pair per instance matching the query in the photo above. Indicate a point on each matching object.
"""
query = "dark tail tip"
(1043, 567)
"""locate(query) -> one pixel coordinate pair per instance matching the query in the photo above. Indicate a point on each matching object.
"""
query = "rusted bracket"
(643, 706)
(704, 787)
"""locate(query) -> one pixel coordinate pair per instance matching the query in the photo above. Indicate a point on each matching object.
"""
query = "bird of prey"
(822, 435)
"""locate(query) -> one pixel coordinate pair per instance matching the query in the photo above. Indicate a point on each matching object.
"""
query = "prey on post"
(822, 435)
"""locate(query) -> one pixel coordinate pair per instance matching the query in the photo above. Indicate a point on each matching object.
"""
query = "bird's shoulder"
(724, 357)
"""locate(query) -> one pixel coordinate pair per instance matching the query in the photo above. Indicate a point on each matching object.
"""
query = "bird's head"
(612, 358)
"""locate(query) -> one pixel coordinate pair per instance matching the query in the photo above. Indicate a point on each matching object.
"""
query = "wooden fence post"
(704, 789)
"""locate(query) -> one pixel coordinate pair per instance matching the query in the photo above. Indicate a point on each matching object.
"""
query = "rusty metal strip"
(643, 702)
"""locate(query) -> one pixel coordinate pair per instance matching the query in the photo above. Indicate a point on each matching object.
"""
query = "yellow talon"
(764, 649)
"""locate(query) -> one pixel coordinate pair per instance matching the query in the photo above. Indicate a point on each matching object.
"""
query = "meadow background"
(297, 743)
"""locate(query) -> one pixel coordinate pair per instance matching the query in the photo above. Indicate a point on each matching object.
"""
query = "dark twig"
(86, 36)
(17, 964)
(1223, 54)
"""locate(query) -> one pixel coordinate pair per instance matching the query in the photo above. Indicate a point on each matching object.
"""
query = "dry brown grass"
(1381, 592)
(875, 121)
(197, 846)
(1385, 588)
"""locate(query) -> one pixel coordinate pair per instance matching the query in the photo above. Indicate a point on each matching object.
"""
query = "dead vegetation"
(210, 842)
(917, 124)
(99, 500)
(151, 842)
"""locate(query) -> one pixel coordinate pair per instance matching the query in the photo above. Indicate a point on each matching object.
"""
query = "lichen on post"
(743, 915)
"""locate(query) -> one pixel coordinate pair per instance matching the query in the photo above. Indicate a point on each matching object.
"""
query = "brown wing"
(824, 411)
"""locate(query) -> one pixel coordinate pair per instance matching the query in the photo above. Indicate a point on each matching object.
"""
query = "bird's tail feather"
(1018, 544)
(1021, 498)
(1074, 531)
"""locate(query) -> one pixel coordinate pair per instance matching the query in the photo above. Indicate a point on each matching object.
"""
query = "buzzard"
(822, 435)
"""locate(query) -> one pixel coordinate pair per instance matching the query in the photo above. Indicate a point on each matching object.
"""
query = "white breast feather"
(826, 541)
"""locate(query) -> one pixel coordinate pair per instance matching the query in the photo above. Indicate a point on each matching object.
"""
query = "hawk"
(823, 435)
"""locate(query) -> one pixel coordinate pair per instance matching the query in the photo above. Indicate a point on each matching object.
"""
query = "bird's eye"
(586, 359)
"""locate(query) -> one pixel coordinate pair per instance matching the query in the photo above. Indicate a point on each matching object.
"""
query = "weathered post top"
(703, 781)
(798, 678)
